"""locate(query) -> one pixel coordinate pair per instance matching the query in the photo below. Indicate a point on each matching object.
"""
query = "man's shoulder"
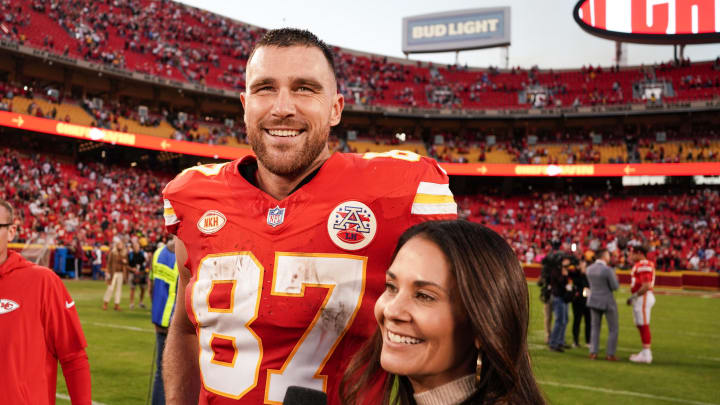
(391, 159)
(396, 167)
(199, 176)
(597, 268)
(644, 266)
(36, 274)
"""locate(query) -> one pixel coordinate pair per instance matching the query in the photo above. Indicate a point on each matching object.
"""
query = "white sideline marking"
(620, 349)
(133, 328)
(627, 393)
(67, 398)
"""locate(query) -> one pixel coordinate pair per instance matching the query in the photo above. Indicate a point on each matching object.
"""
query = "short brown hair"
(9, 208)
(287, 37)
(640, 249)
(600, 252)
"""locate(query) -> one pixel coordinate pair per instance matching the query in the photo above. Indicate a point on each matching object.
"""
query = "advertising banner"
(457, 30)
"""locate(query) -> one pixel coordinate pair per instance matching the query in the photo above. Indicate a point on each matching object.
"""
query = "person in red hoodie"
(40, 326)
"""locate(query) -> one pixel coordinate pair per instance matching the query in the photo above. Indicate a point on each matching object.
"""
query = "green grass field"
(686, 351)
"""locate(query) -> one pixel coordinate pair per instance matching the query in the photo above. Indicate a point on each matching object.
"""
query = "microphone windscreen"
(304, 396)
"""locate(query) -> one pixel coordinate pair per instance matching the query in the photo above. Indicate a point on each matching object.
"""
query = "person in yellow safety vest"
(163, 288)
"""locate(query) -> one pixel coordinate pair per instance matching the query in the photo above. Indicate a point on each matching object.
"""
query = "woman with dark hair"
(453, 324)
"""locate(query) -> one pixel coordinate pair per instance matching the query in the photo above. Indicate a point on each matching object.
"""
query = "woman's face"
(426, 335)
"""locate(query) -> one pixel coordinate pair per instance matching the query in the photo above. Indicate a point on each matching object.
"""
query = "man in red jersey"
(40, 326)
(642, 300)
(284, 255)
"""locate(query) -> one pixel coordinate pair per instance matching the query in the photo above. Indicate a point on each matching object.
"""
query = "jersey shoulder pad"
(403, 164)
(189, 185)
(193, 175)
(420, 178)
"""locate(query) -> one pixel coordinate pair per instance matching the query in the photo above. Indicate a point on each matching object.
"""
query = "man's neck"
(279, 187)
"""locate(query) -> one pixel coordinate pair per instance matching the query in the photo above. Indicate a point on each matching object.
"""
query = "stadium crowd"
(92, 203)
(169, 39)
(682, 231)
(82, 203)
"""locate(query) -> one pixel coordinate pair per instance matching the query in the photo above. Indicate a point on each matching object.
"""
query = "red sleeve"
(61, 321)
(76, 370)
(66, 340)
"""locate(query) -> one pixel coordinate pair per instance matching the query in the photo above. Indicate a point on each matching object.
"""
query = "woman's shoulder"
(475, 399)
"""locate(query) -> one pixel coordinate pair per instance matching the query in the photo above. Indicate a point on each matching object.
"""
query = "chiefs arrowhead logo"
(7, 305)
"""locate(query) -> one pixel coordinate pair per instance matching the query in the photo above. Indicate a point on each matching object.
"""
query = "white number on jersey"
(228, 344)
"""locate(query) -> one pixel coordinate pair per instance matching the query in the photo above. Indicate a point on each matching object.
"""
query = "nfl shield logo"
(276, 216)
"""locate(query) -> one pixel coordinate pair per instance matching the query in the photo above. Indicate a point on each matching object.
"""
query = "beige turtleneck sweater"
(452, 393)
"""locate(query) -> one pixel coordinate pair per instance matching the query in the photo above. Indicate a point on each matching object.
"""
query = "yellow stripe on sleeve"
(433, 199)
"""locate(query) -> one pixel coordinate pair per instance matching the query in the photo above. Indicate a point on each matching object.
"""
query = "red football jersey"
(642, 272)
(282, 292)
(39, 324)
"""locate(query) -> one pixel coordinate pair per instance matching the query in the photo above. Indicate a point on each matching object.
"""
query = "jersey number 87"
(231, 352)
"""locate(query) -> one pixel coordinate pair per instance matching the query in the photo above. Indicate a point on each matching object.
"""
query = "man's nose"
(284, 105)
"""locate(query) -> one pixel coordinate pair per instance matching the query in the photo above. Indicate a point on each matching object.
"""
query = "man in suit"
(602, 302)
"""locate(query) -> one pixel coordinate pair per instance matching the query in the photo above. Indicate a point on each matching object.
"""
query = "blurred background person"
(603, 282)
(561, 292)
(163, 287)
(581, 312)
(96, 257)
(117, 267)
(642, 300)
(453, 324)
(550, 262)
(137, 263)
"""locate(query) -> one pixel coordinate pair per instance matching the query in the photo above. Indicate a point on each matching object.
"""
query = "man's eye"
(304, 89)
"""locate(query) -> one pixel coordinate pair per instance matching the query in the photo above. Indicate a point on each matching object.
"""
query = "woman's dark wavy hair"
(493, 291)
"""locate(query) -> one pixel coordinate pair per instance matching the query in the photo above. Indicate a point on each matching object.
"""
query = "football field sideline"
(625, 393)
(685, 369)
(67, 398)
(556, 384)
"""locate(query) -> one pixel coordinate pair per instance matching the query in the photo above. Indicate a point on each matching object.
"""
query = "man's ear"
(12, 233)
(337, 108)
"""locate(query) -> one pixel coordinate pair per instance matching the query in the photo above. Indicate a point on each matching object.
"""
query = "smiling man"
(40, 325)
(283, 255)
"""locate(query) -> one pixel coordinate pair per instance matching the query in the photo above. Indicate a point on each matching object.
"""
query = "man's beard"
(290, 161)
